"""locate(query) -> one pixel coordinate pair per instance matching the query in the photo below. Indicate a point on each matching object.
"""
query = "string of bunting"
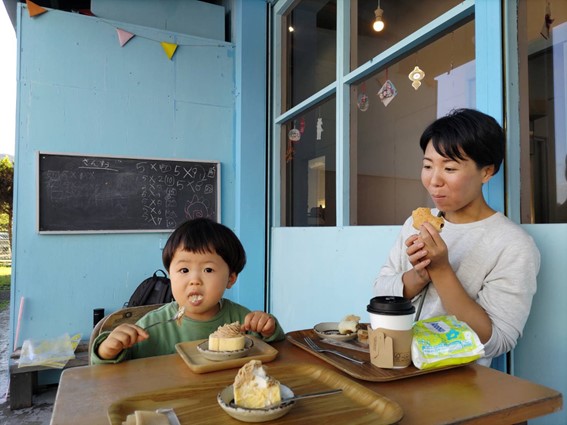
(124, 36)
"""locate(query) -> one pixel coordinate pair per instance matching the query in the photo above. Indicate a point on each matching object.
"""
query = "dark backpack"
(153, 290)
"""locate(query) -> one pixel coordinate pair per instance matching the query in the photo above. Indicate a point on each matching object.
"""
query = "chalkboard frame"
(42, 230)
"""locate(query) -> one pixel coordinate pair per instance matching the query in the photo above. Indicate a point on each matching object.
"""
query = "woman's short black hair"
(467, 132)
(205, 235)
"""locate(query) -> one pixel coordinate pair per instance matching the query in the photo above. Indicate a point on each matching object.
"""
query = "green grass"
(5, 275)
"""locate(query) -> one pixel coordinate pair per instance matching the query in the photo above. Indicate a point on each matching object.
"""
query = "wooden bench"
(23, 380)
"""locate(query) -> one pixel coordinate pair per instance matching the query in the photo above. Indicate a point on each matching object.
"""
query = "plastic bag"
(49, 353)
(443, 341)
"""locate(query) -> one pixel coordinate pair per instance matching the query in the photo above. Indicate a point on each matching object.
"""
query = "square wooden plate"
(197, 403)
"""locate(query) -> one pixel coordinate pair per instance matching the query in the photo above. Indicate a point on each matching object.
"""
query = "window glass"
(309, 60)
(388, 114)
(401, 18)
(308, 152)
(547, 70)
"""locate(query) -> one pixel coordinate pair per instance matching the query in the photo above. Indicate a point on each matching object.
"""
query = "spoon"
(288, 400)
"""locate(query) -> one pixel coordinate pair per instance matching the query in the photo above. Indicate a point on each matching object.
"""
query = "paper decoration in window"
(387, 92)
(319, 127)
(416, 76)
(363, 102)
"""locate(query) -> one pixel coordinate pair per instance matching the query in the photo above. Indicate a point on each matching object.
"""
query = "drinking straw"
(19, 322)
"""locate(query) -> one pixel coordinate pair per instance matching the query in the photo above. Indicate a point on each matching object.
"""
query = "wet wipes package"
(444, 341)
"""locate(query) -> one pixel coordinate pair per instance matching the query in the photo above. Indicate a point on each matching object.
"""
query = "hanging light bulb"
(378, 24)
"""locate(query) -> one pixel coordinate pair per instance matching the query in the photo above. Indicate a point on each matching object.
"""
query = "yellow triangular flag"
(123, 36)
(34, 9)
(169, 48)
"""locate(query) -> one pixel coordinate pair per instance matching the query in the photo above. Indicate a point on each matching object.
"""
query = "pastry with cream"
(349, 324)
(253, 388)
(227, 337)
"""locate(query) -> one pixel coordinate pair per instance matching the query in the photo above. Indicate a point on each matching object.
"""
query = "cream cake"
(349, 324)
(253, 388)
(227, 338)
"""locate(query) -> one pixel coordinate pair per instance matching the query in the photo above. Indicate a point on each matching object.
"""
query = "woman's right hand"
(122, 337)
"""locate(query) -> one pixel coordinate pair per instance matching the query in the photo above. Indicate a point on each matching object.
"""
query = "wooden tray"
(366, 371)
(199, 364)
(196, 404)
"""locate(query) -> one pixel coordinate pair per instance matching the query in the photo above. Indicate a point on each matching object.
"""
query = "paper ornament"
(416, 76)
(169, 49)
(294, 135)
(34, 9)
(319, 127)
(387, 92)
(123, 36)
(363, 102)
(548, 20)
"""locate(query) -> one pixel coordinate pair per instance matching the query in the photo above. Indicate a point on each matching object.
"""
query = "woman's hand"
(417, 256)
(260, 322)
(122, 337)
(435, 249)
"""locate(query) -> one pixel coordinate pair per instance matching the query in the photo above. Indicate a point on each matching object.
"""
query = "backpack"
(153, 290)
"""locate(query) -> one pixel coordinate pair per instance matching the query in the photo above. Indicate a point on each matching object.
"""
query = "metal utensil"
(290, 399)
(177, 316)
(318, 349)
(171, 416)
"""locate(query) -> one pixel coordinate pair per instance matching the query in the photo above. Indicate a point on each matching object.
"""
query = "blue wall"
(80, 92)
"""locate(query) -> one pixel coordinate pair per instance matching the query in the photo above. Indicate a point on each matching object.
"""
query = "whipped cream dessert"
(253, 388)
(228, 337)
(349, 324)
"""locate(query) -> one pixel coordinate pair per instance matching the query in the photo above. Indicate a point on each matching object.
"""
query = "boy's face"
(198, 282)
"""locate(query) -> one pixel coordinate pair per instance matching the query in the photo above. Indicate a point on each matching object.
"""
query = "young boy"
(203, 259)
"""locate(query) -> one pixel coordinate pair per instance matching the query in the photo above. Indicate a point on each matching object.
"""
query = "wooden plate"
(366, 371)
(197, 403)
(199, 364)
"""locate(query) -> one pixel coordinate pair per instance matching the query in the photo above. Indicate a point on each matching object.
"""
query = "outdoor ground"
(40, 412)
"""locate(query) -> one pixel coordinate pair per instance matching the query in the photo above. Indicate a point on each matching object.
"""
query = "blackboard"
(85, 193)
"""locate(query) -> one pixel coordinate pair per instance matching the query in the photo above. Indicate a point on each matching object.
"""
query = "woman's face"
(454, 186)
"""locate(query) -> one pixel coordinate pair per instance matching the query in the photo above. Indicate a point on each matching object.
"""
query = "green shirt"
(163, 338)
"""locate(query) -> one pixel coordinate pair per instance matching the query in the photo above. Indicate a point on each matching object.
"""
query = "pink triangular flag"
(123, 36)
(34, 9)
(169, 48)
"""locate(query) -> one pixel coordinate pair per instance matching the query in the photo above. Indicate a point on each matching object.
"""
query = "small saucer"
(218, 356)
(331, 330)
(254, 415)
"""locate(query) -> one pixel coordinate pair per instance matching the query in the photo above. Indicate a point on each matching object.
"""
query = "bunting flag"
(34, 9)
(169, 49)
(123, 36)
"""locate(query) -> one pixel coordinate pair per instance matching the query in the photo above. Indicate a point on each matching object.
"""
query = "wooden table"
(470, 394)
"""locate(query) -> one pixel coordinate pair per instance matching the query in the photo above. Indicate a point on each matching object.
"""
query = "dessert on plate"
(254, 388)
(349, 324)
(228, 337)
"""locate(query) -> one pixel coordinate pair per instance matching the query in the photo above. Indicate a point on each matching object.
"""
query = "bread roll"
(422, 215)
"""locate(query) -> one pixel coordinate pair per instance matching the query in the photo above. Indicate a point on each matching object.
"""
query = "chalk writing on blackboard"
(88, 193)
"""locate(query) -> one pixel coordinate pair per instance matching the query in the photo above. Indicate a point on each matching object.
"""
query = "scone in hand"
(422, 215)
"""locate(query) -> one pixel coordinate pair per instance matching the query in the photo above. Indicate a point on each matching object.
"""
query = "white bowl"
(226, 396)
(331, 330)
(218, 356)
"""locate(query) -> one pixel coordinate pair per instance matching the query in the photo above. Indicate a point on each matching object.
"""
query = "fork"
(318, 349)
(179, 314)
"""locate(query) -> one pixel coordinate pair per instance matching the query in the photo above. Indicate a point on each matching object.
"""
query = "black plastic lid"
(390, 306)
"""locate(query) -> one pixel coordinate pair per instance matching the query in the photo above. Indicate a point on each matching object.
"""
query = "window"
(370, 172)
(544, 193)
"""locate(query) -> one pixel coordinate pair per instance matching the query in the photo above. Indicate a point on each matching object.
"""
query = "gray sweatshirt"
(497, 263)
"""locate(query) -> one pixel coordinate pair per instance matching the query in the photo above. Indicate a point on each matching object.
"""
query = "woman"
(482, 267)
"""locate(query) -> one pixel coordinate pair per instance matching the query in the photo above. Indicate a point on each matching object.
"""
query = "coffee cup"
(390, 331)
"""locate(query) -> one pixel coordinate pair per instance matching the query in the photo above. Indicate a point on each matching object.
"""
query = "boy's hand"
(122, 337)
(260, 322)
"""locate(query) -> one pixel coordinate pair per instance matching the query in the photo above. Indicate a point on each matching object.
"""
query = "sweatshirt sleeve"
(389, 280)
